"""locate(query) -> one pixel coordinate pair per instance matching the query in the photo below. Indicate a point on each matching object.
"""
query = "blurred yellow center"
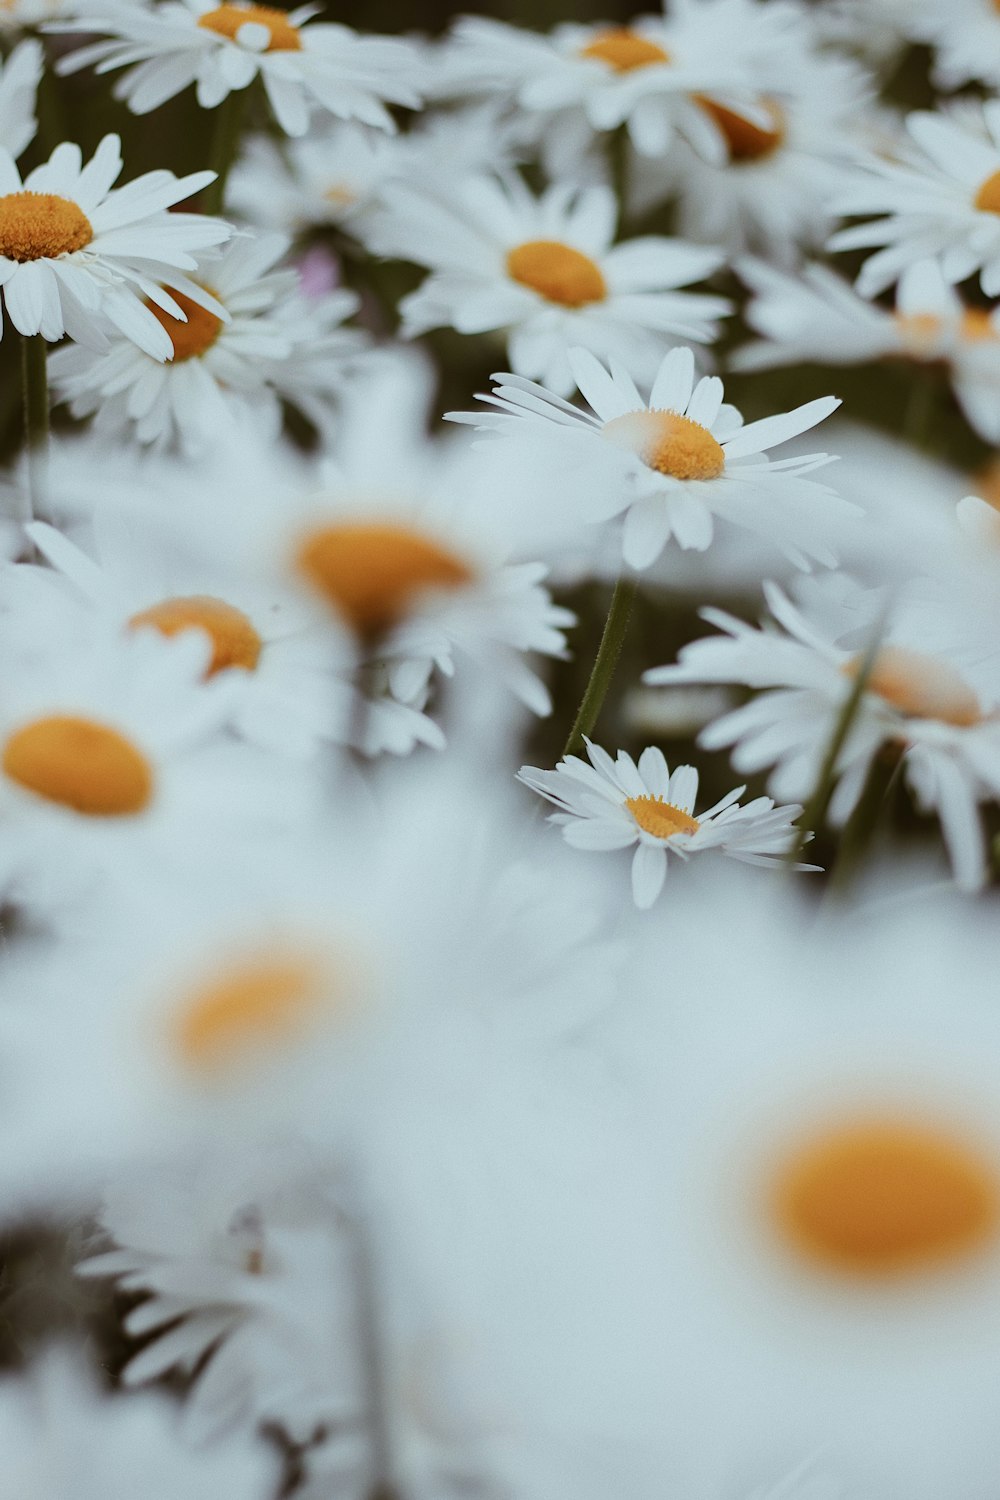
(746, 140)
(624, 50)
(34, 226)
(920, 332)
(235, 642)
(921, 686)
(374, 574)
(83, 765)
(660, 818)
(227, 20)
(884, 1196)
(557, 272)
(669, 443)
(987, 199)
(270, 1001)
(195, 336)
(977, 325)
(986, 484)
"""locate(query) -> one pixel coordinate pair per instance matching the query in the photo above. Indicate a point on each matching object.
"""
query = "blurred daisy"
(19, 79)
(941, 199)
(674, 462)
(222, 48)
(965, 35)
(942, 719)
(225, 367)
(615, 804)
(546, 271)
(74, 250)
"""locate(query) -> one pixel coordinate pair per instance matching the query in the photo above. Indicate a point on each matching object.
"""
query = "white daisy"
(19, 79)
(941, 716)
(225, 367)
(546, 271)
(941, 198)
(222, 48)
(74, 250)
(674, 462)
(615, 804)
(965, 35)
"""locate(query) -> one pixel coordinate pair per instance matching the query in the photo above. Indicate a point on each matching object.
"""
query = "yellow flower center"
(194, 337)
(227, 20)
(879, 1197)
(986, 484)
(746, 140)
(977, 325)
(669, 443)
(920, 686)
(557, 272)
(41, 226)
(660, 818)
(920, 332)
(987, 198)
(373, 574)
(624, 50)
(267, 1001)
(86, 766)
(235, 642)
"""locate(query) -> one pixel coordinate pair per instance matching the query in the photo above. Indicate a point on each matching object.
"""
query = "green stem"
(618, 147)
(603, 670)
(919, 406)
(225, 146)
(35, 389)
(863, 823)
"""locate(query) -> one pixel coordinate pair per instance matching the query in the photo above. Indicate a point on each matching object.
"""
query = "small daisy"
(74, 250)
(672, 463)
(942, 716)
(615, 804)
(225, 367)
(941, 199)
(19, 80)
(547, 272)
(222, 48)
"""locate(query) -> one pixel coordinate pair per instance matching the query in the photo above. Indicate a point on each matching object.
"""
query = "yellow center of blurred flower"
(920, 332)
(624, 50)
(978, 325)
(269, 1001)
(920, 686)
(660, 818)
(746, 140)
(194, 337)
(878, 1197)
(374, 573)
(227, 20)
(83, 765)
(669, 443)
(557, 272)
(987, 198)
(235, 642)
(986, 484)
(37, 226)
(340, 195)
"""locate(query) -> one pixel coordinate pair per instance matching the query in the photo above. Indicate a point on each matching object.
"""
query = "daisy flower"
(545, 270)
(19, 80)
(965, 35)
(76, 251)
(940, 714)
(225, 366)
(673, 462)
(618, 804)
(221, 48)
(940, 199)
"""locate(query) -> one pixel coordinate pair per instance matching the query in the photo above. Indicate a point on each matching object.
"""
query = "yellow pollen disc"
(557, 272)
(235, 642)
(660, 818)
(227, 20)
(987, 199)
(340, 195)
(920, 332)
(669, 443)
(36, 226)
(977, 325)
(374, 574)
(746, 140)
(194, 337)
(880, 1197)
(986, 484)
(624, 50)
(921, 686)
(86, 766)
(272, 1000)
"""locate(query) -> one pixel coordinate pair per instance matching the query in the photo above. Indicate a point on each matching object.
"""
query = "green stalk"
(225, 147)
(863, 823)
(35, 390)
(615, 627)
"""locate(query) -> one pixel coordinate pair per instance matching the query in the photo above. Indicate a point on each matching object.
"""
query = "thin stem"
(35, 390)
(378, 1395)
(603, 670)
(618, 148)
(863, 823)
(225, 146)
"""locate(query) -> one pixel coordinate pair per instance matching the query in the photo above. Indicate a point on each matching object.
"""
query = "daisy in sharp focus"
(547, 272)
(672, 463)
(615, 804)
(19, 79)
(224, 48)
(940, 199)
(76, 251)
